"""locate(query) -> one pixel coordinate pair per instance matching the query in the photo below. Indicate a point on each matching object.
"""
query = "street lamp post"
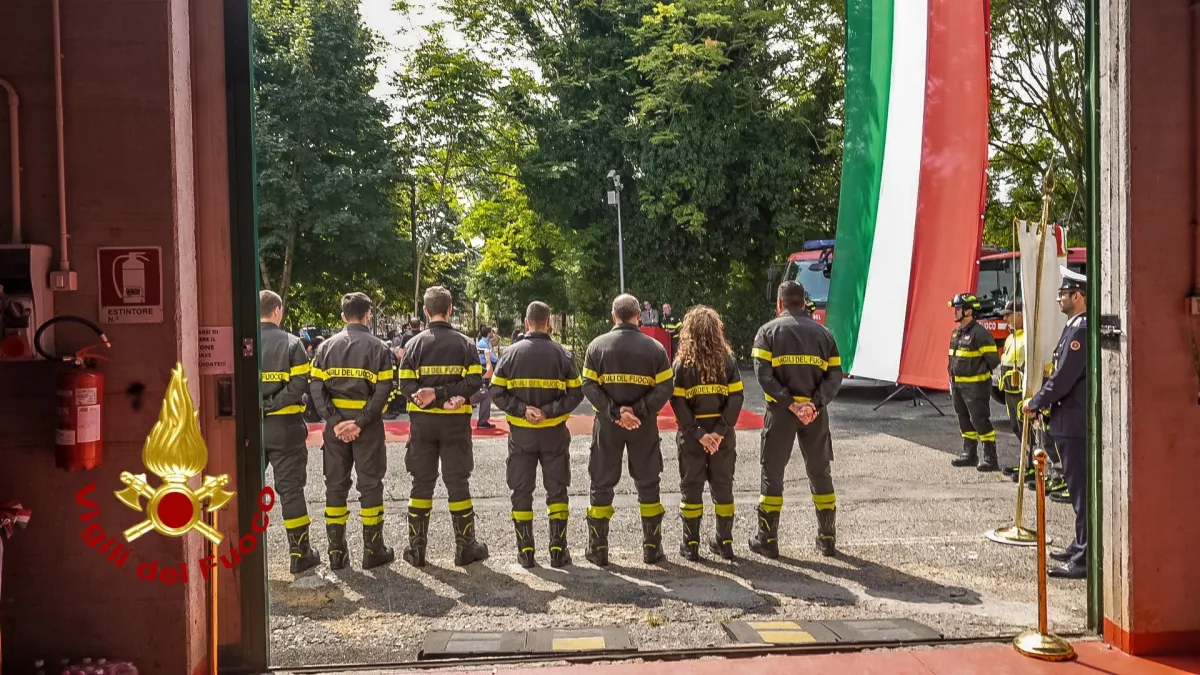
(614, 199)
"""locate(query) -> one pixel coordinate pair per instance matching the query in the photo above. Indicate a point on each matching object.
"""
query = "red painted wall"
(58, 596)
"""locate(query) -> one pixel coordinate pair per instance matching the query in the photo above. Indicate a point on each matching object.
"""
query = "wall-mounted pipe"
(14, 161)
(63, 260)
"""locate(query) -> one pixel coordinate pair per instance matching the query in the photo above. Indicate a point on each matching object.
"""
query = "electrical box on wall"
(26, 301)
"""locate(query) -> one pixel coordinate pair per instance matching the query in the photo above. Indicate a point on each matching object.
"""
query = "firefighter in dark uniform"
(973, 357)
(285, 371)
(707, 400)
(352, 377)
(672, 324)
(537, 386)
(628, 379)
(1064, 396)
(439, 372)
(798, 365)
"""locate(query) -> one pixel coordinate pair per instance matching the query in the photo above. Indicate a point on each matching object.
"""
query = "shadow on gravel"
(781, 577)
(881, 581)
(328, 600)
(483, 587)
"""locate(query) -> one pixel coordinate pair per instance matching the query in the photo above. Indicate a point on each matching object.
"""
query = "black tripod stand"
(919, 397)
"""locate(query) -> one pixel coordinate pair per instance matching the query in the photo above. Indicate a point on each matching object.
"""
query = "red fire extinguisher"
(78, 437)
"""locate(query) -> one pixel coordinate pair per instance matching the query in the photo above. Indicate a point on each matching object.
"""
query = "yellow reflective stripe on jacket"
(474, 370)
(708, 390)
(973, 353)
(760, 354)
(544, 424)
(349, 373)
(664, 376)
(800, 360)
(385, 375)
(466, 408)
(302, 369)
(622, 378)
(430, 371)
(797, 399)
(275, 376)
(590, 374)
(530, 383)
(973, 378)
(498, 381)
(706, 416)
(289, 410)
(407, 374)
(349, 404)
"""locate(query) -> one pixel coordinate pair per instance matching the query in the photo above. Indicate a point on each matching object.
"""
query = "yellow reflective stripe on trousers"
(414, 503)
(302, 369)
(465, 408)
(770, 503)
(522, 516)
(349, 404)
(336, 515)
(275, 376)
(558, 511)
(288, 410)
(825, 502)
(293, 523)
(760, 354)
(973, 378)
(691, 510)
(723, 510)
(544, 424)
(464, 505)
(797, 399)
(989, 436)
(600, 512)
(651, 510)
(970, 435)
(372, 515)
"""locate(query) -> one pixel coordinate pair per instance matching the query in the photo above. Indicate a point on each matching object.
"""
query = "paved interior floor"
(910, 531)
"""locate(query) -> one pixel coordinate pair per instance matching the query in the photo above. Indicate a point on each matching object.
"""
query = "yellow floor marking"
(577, 644)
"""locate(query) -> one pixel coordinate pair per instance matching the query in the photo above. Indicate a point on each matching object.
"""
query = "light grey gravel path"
(909, 527)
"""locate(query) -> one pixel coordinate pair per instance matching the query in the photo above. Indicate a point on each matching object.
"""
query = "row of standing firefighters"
(627, 378)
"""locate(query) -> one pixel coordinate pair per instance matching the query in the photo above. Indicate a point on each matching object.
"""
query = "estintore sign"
(131, 287)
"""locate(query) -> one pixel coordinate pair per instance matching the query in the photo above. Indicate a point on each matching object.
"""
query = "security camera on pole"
(614, 199)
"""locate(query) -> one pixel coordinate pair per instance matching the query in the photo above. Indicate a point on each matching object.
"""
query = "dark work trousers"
(697, 466)
(781, 430)
(444, 438)
(609, 443)
(1074, 458)
(483, 399)
(367, 455)
(529, 447)
(973, 405)
(284, 439)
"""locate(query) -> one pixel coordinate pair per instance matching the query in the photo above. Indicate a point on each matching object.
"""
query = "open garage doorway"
(910, 526)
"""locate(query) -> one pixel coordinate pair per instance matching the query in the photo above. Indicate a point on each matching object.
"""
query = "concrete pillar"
(1151, 434)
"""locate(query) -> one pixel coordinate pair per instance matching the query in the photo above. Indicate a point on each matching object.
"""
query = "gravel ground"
(909, 528)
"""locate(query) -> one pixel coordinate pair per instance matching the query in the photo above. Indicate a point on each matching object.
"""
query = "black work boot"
(418, 536)
(525, 548)
(560, 555)
(597, 550)
(722, 543)
(987, 460)
(467, 549)
(827, 531)
(766, 543)
(303, 558)
(337, 546)
(969, 455)
(375, 552)
(652, 552)
(689, 547)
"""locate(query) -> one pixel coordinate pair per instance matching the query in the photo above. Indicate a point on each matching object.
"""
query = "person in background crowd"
(352, 377)
(1064, 396)
(439, 371)
(488, 357)
(707, 400)
(517, 336)
(537, 385)
(627, 378)
(649, 315)
(285, 372)
(796, 361)
(671, 324)
(1012, 374)
(973, 357)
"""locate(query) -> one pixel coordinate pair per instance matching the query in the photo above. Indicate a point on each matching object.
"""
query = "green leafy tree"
(328, 216)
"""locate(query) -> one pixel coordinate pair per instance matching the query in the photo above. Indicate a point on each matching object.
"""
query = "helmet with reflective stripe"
(964, 301)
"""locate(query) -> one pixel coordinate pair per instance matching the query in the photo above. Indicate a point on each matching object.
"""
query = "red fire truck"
(811, 267)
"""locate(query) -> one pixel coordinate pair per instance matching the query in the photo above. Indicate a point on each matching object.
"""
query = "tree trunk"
(289, 256)
(266, 275)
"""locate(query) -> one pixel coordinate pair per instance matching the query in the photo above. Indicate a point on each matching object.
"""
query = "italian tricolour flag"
(913, 183)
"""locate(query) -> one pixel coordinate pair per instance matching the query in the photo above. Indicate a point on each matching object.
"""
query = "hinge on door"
(1110, 331)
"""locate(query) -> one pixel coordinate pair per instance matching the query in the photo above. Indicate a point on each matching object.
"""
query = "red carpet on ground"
(580, 425)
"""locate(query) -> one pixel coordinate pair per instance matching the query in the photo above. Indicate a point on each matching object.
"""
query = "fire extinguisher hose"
(74, 358)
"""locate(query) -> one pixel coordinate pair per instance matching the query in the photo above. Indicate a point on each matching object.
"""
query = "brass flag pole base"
(1041, 643)
(1012, 535)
